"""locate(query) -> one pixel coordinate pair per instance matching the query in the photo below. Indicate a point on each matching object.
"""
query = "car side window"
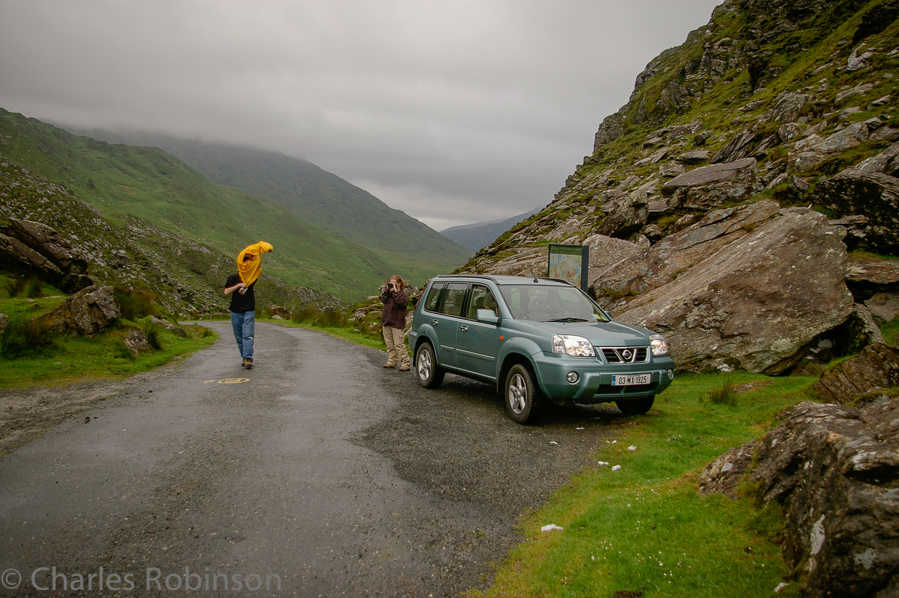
(453, 299)
(481, 298)
(434, 296)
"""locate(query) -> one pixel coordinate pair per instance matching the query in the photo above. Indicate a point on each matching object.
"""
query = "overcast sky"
(452, 111)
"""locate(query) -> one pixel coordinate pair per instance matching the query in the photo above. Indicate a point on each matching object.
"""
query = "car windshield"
(551, 303)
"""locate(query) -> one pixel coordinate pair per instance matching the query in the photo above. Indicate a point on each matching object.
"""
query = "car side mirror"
(487, 316)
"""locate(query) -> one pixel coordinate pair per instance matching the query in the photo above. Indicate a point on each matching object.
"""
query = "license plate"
(631, 379)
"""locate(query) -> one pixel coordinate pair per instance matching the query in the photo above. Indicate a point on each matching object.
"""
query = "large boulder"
(753, 301)
(86, 312)
(709, 187)
(874, 195)
(835, 471)
(625, 214)
(875, 368)
(676, 253)
(34, 249)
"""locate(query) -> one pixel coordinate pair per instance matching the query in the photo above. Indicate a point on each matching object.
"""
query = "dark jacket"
(394, 314)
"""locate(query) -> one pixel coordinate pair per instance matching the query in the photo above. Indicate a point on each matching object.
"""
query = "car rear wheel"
(523, 398)
(636, 406)
(429, 374)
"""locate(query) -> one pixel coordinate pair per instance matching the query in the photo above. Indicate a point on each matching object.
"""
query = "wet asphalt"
(316, 473)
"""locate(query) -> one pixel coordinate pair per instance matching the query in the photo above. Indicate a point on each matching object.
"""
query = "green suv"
(538, 340)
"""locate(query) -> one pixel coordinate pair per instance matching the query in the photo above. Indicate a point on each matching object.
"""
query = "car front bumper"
(593, 382)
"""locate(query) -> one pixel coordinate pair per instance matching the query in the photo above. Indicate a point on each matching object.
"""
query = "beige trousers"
(396, 347)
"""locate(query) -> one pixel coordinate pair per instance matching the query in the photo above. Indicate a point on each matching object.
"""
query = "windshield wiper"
(568, 320)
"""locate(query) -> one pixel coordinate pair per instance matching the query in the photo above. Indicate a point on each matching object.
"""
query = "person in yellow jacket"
(243, 298)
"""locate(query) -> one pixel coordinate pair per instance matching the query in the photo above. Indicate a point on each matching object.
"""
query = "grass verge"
(644, 528)
(77, 358)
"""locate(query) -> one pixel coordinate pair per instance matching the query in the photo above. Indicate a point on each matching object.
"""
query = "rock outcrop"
(34, 249)
(874, 369)
(86, 312)
(745, 288)
(718, 136)
(835, 471)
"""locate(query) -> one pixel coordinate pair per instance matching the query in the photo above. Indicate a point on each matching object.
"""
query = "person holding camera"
(393, 322)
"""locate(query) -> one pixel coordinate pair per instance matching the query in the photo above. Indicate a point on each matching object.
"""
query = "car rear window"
(446, 298)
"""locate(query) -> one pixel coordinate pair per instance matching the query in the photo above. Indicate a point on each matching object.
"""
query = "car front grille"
(625, 354)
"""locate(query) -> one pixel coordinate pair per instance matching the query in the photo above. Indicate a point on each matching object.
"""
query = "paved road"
(318, 472)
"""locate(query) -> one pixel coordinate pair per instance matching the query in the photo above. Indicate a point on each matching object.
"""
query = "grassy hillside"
(124, 182)
(318, 197)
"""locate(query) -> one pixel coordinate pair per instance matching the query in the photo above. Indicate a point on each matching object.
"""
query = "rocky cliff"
(745, 201)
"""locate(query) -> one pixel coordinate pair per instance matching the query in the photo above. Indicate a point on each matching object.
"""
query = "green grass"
(78, 358)
(644, 528)
(890, 332)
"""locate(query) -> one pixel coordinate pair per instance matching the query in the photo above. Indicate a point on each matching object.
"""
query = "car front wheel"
(429, 374)
(636, 406)
(523, 398)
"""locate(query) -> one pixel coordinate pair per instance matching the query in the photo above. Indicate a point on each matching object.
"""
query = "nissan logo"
(627, 354)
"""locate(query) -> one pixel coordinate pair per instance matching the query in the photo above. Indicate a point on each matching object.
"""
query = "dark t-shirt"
(241, 303)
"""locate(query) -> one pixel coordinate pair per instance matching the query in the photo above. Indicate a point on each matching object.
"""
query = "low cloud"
(453, 112)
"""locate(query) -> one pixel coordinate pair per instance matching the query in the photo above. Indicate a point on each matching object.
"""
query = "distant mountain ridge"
(316, 196)
(177, 217)
(481, 234)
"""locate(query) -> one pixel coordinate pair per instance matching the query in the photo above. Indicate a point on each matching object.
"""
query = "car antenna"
(534, 274)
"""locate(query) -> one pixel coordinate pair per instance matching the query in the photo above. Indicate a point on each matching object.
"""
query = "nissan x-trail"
(538, 340)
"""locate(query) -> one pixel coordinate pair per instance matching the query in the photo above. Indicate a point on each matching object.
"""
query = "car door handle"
(463, 328)
(435, 322)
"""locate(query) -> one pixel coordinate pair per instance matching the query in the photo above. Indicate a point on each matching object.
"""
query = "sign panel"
(569, 263)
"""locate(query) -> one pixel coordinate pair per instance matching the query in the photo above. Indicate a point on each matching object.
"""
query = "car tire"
(523, 398)
(428, 372)
(636, 406)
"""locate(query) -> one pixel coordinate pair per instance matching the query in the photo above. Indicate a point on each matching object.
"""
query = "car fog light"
(671, 374)
(572, 377)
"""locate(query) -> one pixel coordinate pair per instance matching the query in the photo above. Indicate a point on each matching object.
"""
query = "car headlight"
(659, 345)
(576, 346)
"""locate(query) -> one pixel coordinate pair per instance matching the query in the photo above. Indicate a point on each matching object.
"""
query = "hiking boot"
(249, 364)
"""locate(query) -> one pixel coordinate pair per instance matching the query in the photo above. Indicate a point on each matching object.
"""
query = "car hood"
(600, 334)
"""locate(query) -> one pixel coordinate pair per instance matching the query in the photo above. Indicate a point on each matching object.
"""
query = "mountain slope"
(480, 235)
(124, 183)
(318, 197)
(763, 79)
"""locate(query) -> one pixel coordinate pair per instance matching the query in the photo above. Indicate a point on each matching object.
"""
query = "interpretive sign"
(569, 263)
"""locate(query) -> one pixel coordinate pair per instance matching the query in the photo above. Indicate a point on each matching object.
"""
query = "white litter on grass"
(632, 448)
(603, 463)
(616, 468)
(780, 586)
(553, 442)
(551, 527)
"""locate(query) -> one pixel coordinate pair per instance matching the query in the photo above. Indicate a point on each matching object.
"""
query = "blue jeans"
(244, 326)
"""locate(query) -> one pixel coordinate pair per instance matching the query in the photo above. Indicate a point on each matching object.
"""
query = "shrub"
(153, 333)
(34, 288)
(26, 337)
(331, 318)
(724, 395)
(14, 286)
(135, 303)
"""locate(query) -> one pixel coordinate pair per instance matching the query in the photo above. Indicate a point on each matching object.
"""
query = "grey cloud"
(445, 110)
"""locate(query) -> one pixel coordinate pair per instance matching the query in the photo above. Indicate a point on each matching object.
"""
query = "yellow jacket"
(251, 268)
